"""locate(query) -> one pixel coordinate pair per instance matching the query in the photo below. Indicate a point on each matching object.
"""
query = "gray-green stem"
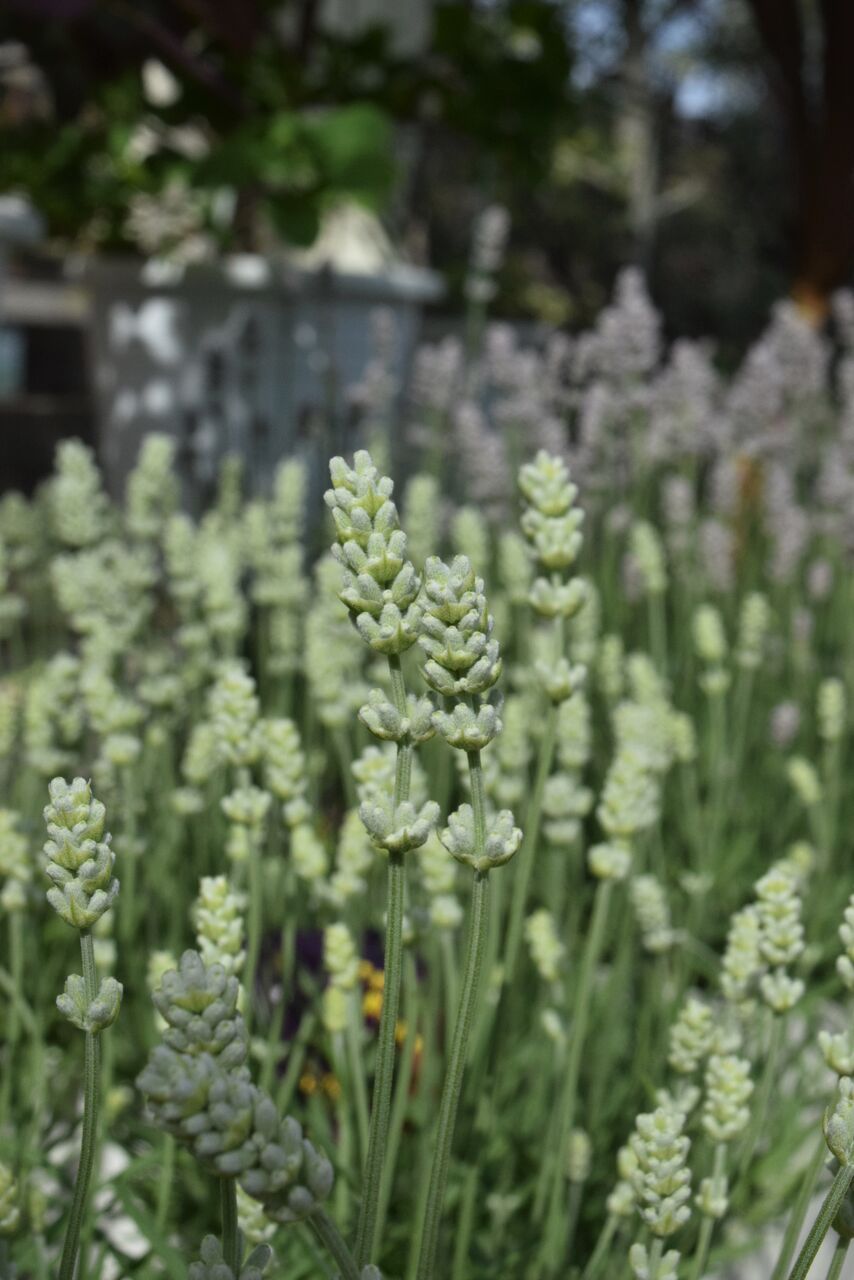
(91, 1104)
(366, 1241)
(230, 1230)
(551, 1175)
(329, 1236)
(799, 1210)
(834, 1271)
(431, 1221)
(528, 851)
(707, 1226)
(828, 1211)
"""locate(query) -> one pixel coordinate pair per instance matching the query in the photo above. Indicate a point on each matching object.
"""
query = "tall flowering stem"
(80, 865)
(551, 523)
(380, 588)
(462, 665)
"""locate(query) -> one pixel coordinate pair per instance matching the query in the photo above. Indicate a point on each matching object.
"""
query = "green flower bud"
(579, 1155)
(832, 707)
(780, 991)
(547, 950)
(95, 1015)
(609, 861)
(218, 917)
(838, 1051)
(80, 860)
(839, 1123)
(845, 963)
(712, 1198)
(198, 1005)
(648, 554)
(254, 1224)
(709, 635)
(728, 1087)
(691, 1036)
(10, 1211)
(502, 839)
(643, 1268)
(398, 830)
(466, 729)
(661, 1179)
(462, 658)
(753, 623)
(805, 781)
(552, 599)
(384, 721)
(653, 914)
(341, 957)
(560, 679)
(212, 1264)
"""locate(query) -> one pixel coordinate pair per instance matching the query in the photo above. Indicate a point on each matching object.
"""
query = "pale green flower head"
(653, 914)
(742, 961)
(754, 621)
(805, 781)
(233, 713)
(648, 554)
(218, 916)
(401, 829)
(832, 709)
(379, 585)
(382, 718)
(728, 1088)
(644, 1268)
(79, 857)
(692, 1036)
(91, 1016)
(341, 957)
(779, 909)
(845, 963)
(547, 950)
(710, 639)
(502, 839)
(579, 1156)
(198, 1007)
(462, 656)
(661, 1178)
(630, 798)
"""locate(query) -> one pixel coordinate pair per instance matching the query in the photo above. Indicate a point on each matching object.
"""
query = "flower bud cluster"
(212, 1264)
(781, 940)
(647, 553)
(630, 798)
(233, 712)
(79, 857)
(152, 489)
(661, 1177)
(16, 867)
(727, 1089)
(547, 950)
(805, 782)
(710, 643)
(832, 709)
(742, 961)
(754, 621)
(653, 914)
(692, 1036)
(566, 802)
(839, 1123)
(218, 917)
(645, 1268)
(199, 1090)
(501, 841)
(380, 585)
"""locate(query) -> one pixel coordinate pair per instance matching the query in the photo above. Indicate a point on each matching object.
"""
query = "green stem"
(551, 1171)
(704, 1240)
(91, 1080)
(799, 1210)
(401, 1094)
(465, 1225)
(429, 1234)
(329, 1236)
(13, 1027)
(256, 908)
(601, 1248)
(528, 851)
(366, 1234)
(760, 1108)
(230, 1232)
(834, 1271)
(828, 1211)
(355, 1072)
(164, 1185)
